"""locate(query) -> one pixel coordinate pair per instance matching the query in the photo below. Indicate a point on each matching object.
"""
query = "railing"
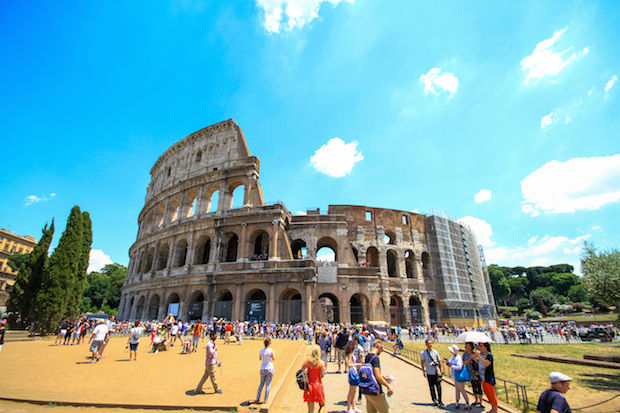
(546, 339)
(515, 394)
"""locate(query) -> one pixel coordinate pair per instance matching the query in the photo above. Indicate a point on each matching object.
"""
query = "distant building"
(11, 244)
(197, 255)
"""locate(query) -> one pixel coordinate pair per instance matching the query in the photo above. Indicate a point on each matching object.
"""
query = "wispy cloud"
(97, 260)
(336, 158)
(444, 82)
(34, 199)
(482, 196)
(549, 120)
(291, 14)
(545, 61)
(610, 84)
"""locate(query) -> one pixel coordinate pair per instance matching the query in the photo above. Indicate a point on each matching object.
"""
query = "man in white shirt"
(134, 340)
(96, 340)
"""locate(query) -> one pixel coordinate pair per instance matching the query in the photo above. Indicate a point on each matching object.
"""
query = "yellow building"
(11, 244)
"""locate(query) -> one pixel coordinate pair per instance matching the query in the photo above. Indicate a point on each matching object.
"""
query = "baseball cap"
(556, 376)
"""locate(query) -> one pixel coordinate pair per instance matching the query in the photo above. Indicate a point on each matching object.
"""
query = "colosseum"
(198, 256)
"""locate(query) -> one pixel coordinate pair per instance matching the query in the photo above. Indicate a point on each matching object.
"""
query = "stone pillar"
(238, 300)
(383, 267)
(418, 269)
(191, 250)
(200, 205)
(272, 302)
(171, 251)
(426, 316)
(225, 199)
(399, 265)
(273, 248)
(308, 315)
(205, 311)
(163, 307)
(183, 309)
(242, 251)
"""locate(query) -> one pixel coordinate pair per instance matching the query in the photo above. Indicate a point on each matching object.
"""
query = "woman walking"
(316, 370)
(267, 357)
(472, 366)
(485, 367)
(456, 363)
(351, 365)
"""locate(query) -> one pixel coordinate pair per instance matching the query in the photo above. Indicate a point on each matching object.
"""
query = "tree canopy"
(601, 274)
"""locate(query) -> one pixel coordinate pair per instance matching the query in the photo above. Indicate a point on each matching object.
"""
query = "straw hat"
(454, 349)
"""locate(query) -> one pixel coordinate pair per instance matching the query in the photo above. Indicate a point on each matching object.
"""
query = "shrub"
(533, 315)
(577, 307)
(506, 314)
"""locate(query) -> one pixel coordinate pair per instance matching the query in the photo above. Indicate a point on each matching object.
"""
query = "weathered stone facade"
(201, 258)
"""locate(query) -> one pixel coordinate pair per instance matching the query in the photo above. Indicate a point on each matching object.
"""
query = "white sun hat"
(556, 376)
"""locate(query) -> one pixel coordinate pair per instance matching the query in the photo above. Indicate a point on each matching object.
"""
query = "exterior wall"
(388, 264)
(11, 244)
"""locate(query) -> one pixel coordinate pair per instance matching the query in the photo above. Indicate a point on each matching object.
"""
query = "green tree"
(79, 281)
(542, 299)
(563, 282)
(103, 289)
(518, 286)
(28, 283)
(499, 283)
(523, 304)
(56, 293)
(601, 274)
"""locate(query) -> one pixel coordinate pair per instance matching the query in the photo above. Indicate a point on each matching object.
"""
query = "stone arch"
(237, 198)
(162, 256)
(191, 204)
(426, 264)
(290, 306)
(415, 308)
(299, 249)
(358, 304)
(196, 302)
(330, 243)
(329, 303)
(213, 196)
(172, 304)
(140, 308)
(256, 305)
(174, 210)
(203, 250)
(397, 315)
(198, 157)
(372, 257)
(232, 244)
(259, 240)
(180, 253)
(224, 304)
(128, 315)
(150, 257)
(391, 263)
(410, 264)
(153, 310)
(161, 214)
(389, 237)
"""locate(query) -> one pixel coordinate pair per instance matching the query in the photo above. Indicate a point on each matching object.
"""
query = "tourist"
(134, 339)
(196, 334)
(341, 341)
(2, 331)
(487, 374)
(323, 346)
(456, 364)
(552, 400)
(109, 323)
(267, 357)
(433, 371)
(371, 381)
(96, 341)
(174, 331)
(476, 383)
(62, 332)
(315, 370)
(352, 364)
(210, 364)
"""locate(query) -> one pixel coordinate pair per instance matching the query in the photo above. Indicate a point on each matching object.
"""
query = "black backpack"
(302, 379)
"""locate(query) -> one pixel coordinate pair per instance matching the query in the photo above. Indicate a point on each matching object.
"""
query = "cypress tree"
(28, 282)
(73, 307)
(59, 279)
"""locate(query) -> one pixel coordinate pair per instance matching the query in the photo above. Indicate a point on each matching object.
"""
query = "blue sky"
(503, 115)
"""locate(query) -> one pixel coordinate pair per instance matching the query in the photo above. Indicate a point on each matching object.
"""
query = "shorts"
(63, 332)
(340, 354)
(133, 346)
(476, 386)
(95, 345)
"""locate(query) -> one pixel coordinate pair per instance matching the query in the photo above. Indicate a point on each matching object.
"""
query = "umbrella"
(473, 337)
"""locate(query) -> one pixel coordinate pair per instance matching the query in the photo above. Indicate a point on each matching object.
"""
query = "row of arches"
(413, 313)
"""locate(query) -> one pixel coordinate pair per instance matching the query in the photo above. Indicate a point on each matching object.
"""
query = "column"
(238, 300)
(191, 251)
(418, 269)
(205, 311)
(308, 315)
(242, 252)
(426, 316)
(200, 205)
(273, 248)
(272, 302)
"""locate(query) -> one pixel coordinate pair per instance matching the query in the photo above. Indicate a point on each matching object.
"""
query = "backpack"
(302, 379)
(136, 335)
(368, 383)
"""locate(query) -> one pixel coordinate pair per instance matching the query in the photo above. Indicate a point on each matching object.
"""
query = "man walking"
(552, 400)
(371, 382)
(97, 339)
(433, 371)
(210, 364)
(341, 342)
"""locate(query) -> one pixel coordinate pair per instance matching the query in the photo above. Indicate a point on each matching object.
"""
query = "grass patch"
(590, 384)
(577, 317)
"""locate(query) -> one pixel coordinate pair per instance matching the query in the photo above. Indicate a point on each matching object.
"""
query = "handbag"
(462, 375)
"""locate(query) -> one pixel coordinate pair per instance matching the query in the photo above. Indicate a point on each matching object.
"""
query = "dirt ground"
(41, 371)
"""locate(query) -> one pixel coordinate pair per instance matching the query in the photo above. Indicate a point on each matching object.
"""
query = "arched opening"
(161, 213)
(173, 305)
(198, 156)
(299, 249)
(180, 253)
(153, 308)
(329, 304)
(415, 307)
(130, 308)
(174, 209)
(426, 264)
(260, 245)
(358, 306)
(195, 306)
(148, 264)
(432, 311)
(327, 250)
(231, 248)
(410, 264)
(397, 316)
(162, 257)
(355, 253)
(256, 306)
(203, 251)
(290, 306)
(391, 263)
(140, 309)
(192, 202)
(238, 194)
(214, 199)
(389, 238)
(372, 257)
(223, 305)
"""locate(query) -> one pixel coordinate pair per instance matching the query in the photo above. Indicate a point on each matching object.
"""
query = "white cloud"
(548, 120)
(577, 184)
(611, 83)
(597, 228)
(482, 196)
(97, 260)
(481, 229)
(336, 158)
(301, 213)
(544, 61)
(33, 199)
(446, 82)
(291, 14)
(547, 250)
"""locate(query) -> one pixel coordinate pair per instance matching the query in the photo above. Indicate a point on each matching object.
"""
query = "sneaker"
(467, 407)
(441, 404)
(219, 391)
(435, 403)
(199, 391)
(357, 410)
(458, 406)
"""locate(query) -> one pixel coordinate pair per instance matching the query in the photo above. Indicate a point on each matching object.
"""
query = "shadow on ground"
(599, 381)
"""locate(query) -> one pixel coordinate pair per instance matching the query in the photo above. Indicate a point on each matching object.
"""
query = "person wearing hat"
(456, 364)
(552, 400)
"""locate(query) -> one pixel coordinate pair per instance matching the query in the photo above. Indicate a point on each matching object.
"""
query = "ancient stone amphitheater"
(198, 256)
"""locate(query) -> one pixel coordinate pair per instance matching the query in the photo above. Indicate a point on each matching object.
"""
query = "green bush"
(533, 315)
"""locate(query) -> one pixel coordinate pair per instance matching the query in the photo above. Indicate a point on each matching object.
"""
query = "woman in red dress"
(315, 370)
